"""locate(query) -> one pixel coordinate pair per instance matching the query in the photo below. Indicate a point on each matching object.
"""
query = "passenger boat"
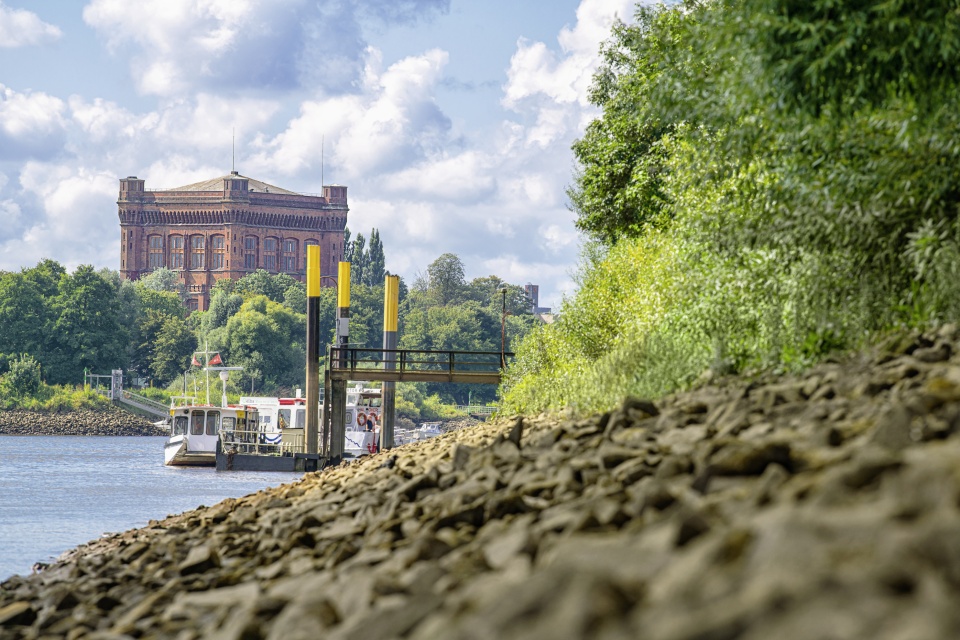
(195, 432)
(363, 418)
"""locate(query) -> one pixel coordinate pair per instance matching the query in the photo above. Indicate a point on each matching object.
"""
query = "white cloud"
(466, 177)
(19, 28)
(9, 218)
(75, 218)
(182, 45)
(31, 124)
(395, 122)
(535, 70)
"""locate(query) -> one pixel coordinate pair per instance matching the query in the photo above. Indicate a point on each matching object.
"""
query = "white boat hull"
(176, 454)
(360, 443)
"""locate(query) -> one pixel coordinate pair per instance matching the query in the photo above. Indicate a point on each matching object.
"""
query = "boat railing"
(251, 441)
(182, 401)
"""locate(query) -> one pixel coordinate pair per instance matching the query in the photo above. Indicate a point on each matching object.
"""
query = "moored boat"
(195, 431)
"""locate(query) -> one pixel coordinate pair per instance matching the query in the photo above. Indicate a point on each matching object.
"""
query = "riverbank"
(108, 421)
(819, 506)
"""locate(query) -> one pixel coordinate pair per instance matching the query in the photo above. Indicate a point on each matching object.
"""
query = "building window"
(250, 252)
(306, 244)
(270, 254)
(176, 252)
(197, 252)
(193, 304)
(218, 244)
(155, 259)
(290, 256)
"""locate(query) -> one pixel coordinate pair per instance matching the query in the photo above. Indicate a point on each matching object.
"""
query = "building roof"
(216, 184)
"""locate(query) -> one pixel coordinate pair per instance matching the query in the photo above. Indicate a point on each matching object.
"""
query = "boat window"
(264, 421)
(352, 398)
(179, 425)
(283, 419)
(301, 418)
(229, 423)
(213, 422)
(196, 422)
(373, 402)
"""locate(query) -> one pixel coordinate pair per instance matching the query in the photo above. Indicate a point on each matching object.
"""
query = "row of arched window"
(199, 252)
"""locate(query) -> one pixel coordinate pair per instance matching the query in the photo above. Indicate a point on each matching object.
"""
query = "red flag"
(195, 362)
(215, 360)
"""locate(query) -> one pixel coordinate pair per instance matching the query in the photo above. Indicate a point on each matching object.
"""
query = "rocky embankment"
(823, 506)
(108, 421)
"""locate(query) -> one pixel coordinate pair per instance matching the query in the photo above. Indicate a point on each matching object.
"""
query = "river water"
(57, 492)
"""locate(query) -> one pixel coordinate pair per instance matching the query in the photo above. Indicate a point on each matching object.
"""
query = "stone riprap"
(821, 506)
(108, 421)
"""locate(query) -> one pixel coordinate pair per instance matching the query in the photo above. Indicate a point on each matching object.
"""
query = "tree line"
(58, 325)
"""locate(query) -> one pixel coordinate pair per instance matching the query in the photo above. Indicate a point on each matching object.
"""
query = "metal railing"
(417, 364)
(251, 441)
(477, 409)
(144, 404)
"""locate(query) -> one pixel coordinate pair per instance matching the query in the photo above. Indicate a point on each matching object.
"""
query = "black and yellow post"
(343, 310)
(338, 388)
(313, 348)
(391, 299)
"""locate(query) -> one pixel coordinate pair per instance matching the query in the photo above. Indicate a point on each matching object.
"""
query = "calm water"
(59, 492)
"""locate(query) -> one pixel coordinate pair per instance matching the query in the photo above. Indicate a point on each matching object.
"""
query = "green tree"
(445, 278)
(266, 338)
(375, 261)
(22, 378)
(87, 332)
(24, 315)
(163, 279)
(174, 346)
(295, 297)
(358, 261)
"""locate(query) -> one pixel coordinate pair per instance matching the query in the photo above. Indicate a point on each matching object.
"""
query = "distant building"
(227, 227)
(533, 292)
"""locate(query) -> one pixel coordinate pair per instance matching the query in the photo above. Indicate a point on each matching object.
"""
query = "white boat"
(195, 431)
(428, 430)
(363, 417)
(278, 416)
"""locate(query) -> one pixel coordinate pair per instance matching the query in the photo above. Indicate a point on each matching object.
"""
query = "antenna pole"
(233, 151)
(321, 162)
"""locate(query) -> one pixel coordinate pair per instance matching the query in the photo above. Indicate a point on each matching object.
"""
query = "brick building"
(227, 227)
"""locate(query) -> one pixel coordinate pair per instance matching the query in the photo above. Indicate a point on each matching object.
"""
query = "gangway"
(142, 405)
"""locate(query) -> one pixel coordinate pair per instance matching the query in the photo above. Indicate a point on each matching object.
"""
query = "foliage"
(174, 345)
(769, 180)
(55, 398)
(445, 279)
(22, 377)
(163, 279)
(266, 339)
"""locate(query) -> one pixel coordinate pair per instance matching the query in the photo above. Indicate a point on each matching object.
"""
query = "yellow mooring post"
(338, 388)
(311, 432)
(391, 300)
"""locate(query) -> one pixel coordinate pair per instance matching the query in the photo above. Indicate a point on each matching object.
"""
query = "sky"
(450, 121)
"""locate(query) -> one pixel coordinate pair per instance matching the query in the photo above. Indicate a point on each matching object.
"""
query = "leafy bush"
(771, 181)
(22, 378)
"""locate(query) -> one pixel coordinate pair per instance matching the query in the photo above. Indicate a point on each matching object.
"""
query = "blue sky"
(450, 121)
